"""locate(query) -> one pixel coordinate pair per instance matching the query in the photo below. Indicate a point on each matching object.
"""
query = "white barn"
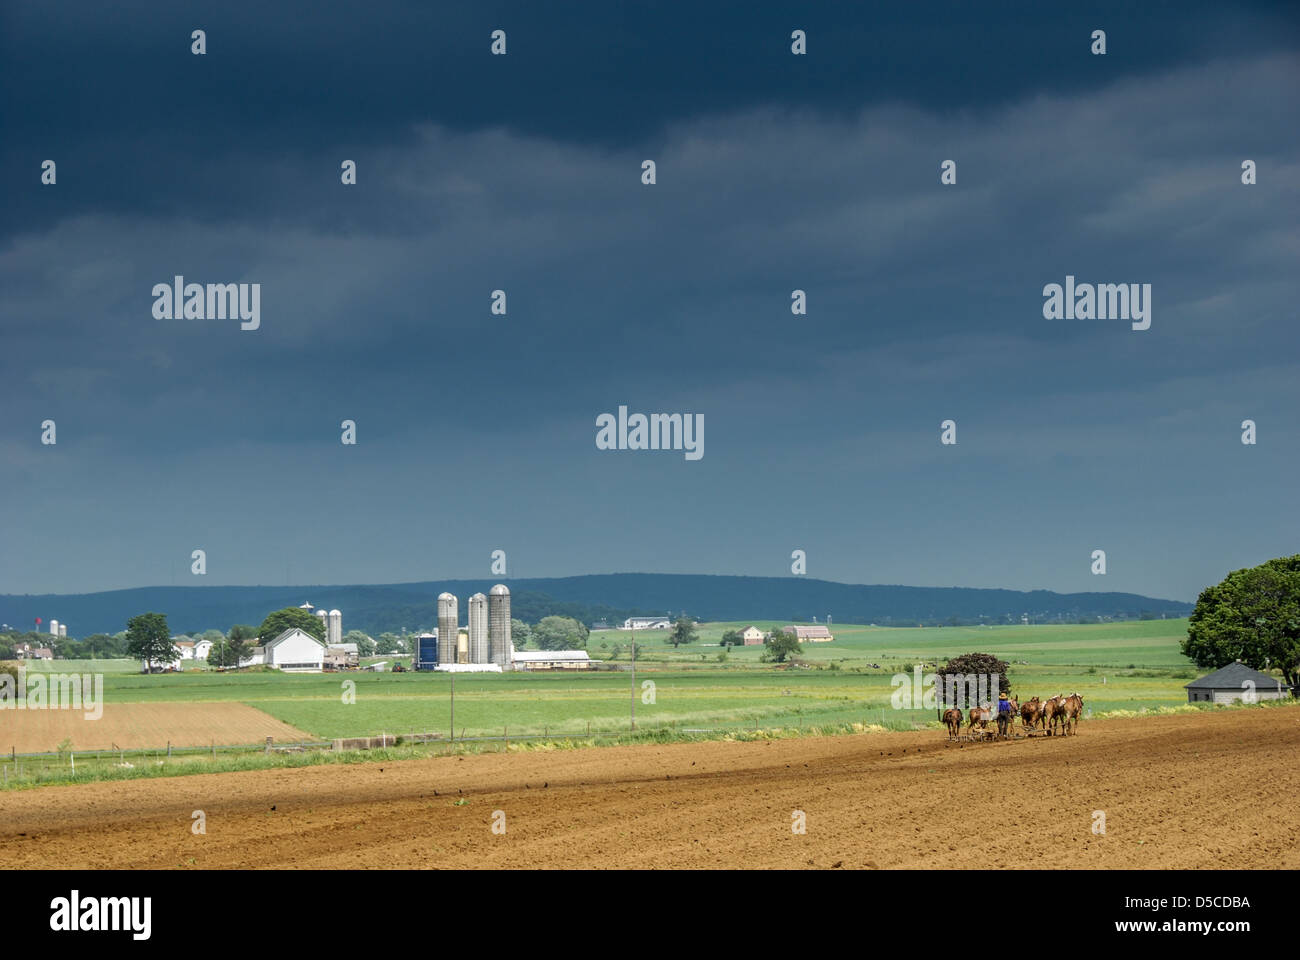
(294, 651)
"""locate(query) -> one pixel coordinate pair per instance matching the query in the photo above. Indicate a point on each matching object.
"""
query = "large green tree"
(288, 618)
(1253, 616)
(558, 633)
(781, 646)
(148, 639)
(683, 631)
(520, 633)
(228, 653)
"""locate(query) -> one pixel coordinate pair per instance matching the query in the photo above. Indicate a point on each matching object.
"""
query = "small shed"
(1235, 682)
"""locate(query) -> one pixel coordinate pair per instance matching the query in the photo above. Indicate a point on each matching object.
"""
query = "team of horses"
(1059, 712)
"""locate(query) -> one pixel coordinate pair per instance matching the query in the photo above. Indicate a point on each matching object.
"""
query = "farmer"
(1004, 714)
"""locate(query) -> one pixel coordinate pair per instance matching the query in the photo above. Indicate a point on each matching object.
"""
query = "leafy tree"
(243, 631)
(288, 618)
(781, 646)
(1253, 616)
(520, 633)
(683, 632)
(148, 639)
(365, 645)
(388, 643)
(558, 633)
(732, 638)
(228, 653)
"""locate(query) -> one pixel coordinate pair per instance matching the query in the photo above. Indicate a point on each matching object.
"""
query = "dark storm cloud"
(477, 432)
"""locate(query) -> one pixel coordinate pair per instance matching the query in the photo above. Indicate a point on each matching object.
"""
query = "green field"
(1121, 666)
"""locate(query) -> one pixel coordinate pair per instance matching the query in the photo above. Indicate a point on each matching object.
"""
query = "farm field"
(1178, 792)
(130, 725)
(1123, 666)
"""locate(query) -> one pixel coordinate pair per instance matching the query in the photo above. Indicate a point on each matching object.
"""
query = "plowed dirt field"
(141, 725)
(1212, 790)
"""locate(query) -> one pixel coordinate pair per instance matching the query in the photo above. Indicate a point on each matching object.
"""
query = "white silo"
(63, 629)
(448, 619)
(499, 648)
(54, 628)
(325, 625)
(334, 635)
(478, 629)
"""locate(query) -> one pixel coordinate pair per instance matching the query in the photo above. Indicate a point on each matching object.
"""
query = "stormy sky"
(522, 172)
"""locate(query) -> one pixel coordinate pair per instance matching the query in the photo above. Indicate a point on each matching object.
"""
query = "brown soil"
(1213, 790)
(130, 725)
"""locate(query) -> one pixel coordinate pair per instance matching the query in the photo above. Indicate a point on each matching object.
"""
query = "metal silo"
(425, 652)
(499, 625)
(334, 635)
(448, 619)
(54, 628)
(478, 629)
(63, 629)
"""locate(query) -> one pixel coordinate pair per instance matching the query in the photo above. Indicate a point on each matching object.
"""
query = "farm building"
(342, 655)
(814, 634)
(294, 651)
(1235, 682)
(553, 660)
(752, 636)
(647, 623)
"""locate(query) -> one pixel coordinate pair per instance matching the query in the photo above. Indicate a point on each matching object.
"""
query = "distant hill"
(613, 597)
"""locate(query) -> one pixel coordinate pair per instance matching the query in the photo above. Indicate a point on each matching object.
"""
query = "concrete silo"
(63, 629)
(478, 629)
(448, 619)
(334, 635)
(324, 622)
(54, 628)
(499, 649)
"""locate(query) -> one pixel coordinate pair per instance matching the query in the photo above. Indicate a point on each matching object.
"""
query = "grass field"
(1122, 666)
(686, 694)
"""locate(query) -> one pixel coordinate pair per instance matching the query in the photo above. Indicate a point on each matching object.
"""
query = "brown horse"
(1031, 713)
(1071, 710)
(1053, 713)
(952, 719)
(980, 715)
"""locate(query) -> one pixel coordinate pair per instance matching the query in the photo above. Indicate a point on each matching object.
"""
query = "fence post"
(169, 749)
(268, 744)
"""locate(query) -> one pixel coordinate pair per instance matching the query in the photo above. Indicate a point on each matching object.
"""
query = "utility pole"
(453, 708)
(634, 677)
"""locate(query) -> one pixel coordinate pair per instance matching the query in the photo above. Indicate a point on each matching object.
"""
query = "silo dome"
(446, 596)
(336, 613)
(500, 590)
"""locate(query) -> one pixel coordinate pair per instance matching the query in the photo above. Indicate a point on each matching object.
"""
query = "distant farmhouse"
(25, 651)
(753, 636)
(647, 623)
(553, 660)
(814, 634)
(1234, 682)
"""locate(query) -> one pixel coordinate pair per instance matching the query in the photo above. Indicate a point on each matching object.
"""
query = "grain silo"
(424, 651)
(325, 625)
(448, 619)
(334, 635)
(478, 629)
(54, 628)
(63, 629)
(499, 649)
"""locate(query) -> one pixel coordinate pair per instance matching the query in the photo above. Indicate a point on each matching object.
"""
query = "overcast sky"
(523, 172)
